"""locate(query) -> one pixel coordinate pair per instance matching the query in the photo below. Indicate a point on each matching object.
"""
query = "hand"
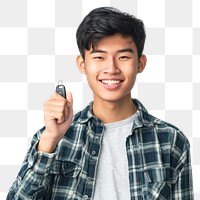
(58, 114)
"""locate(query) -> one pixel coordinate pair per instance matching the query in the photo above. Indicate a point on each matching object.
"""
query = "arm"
(183, 188)
(34, 179)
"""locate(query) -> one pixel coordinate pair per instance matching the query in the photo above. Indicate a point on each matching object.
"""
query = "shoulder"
(167, 129)
(172, 142)
(166, 132)
(170, 137)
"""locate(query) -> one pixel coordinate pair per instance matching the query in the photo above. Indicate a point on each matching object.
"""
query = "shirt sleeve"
(33, 179)
(183, 188)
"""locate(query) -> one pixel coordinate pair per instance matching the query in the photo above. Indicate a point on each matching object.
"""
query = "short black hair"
(107, 21)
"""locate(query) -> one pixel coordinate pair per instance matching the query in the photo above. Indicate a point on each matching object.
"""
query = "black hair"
(107, 21)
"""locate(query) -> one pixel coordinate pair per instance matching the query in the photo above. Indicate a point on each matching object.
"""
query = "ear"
(80, 64)
(142, 63)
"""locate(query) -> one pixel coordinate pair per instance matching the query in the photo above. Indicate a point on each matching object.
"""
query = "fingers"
(69, 98)
(55, 111)
(57, 96)
(55, 104)
(58, 115)
(52, 115)
(59, 108)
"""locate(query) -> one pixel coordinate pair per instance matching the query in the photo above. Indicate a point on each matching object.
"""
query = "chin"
(113, 98)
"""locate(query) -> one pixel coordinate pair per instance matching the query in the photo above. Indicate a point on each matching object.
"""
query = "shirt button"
(85, 197)
(89, 179)
(93, 153)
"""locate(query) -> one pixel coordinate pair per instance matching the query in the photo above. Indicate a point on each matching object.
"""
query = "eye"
(123, 57)
(98, 58)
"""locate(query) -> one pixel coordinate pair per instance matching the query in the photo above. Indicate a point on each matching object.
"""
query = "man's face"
(111, 67)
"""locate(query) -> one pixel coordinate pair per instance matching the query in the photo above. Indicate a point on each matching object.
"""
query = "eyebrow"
(126, 50)
(119, 51)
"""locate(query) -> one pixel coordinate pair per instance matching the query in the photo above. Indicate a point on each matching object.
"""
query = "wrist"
(47, 144)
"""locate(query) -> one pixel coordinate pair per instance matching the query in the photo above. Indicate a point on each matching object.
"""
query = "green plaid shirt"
(158, 162)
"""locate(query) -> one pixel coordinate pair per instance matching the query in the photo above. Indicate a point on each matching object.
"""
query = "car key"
(60, 89)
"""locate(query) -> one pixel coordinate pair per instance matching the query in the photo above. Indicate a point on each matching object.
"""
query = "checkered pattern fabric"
(158, 162)
(38, 48)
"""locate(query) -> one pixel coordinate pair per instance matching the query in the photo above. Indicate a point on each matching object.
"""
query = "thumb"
(69, 98)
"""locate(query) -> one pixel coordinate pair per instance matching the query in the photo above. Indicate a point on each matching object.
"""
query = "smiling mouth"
(111, 82)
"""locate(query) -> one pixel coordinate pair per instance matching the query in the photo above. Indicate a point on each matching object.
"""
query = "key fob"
(60, 89)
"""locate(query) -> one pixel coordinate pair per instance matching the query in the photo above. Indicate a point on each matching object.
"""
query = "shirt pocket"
(158, 182)
(66, 168)
(64, 174)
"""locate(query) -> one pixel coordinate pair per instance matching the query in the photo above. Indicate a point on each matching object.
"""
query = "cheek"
(92, 68)
(131, 71)
(91, 73)
(131, 74)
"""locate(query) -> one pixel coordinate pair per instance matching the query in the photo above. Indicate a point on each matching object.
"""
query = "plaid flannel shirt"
(158, 162)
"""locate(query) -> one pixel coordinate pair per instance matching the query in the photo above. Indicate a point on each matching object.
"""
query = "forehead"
(114, 41)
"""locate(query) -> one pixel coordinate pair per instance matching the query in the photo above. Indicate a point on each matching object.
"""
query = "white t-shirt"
(112, 174)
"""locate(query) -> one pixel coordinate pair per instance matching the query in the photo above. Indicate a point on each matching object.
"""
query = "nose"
(111, 67)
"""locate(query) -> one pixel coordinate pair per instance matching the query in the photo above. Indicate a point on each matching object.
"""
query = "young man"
(113, 149)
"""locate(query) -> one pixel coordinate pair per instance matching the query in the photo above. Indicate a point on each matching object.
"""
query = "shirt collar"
(86, 114)
(143, 116)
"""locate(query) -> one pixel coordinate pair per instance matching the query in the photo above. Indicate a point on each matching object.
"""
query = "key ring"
(60, 82)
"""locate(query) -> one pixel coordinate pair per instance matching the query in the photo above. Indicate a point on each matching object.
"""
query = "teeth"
(110, 82)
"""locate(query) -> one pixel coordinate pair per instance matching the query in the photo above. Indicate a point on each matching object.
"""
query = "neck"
(112, 111)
